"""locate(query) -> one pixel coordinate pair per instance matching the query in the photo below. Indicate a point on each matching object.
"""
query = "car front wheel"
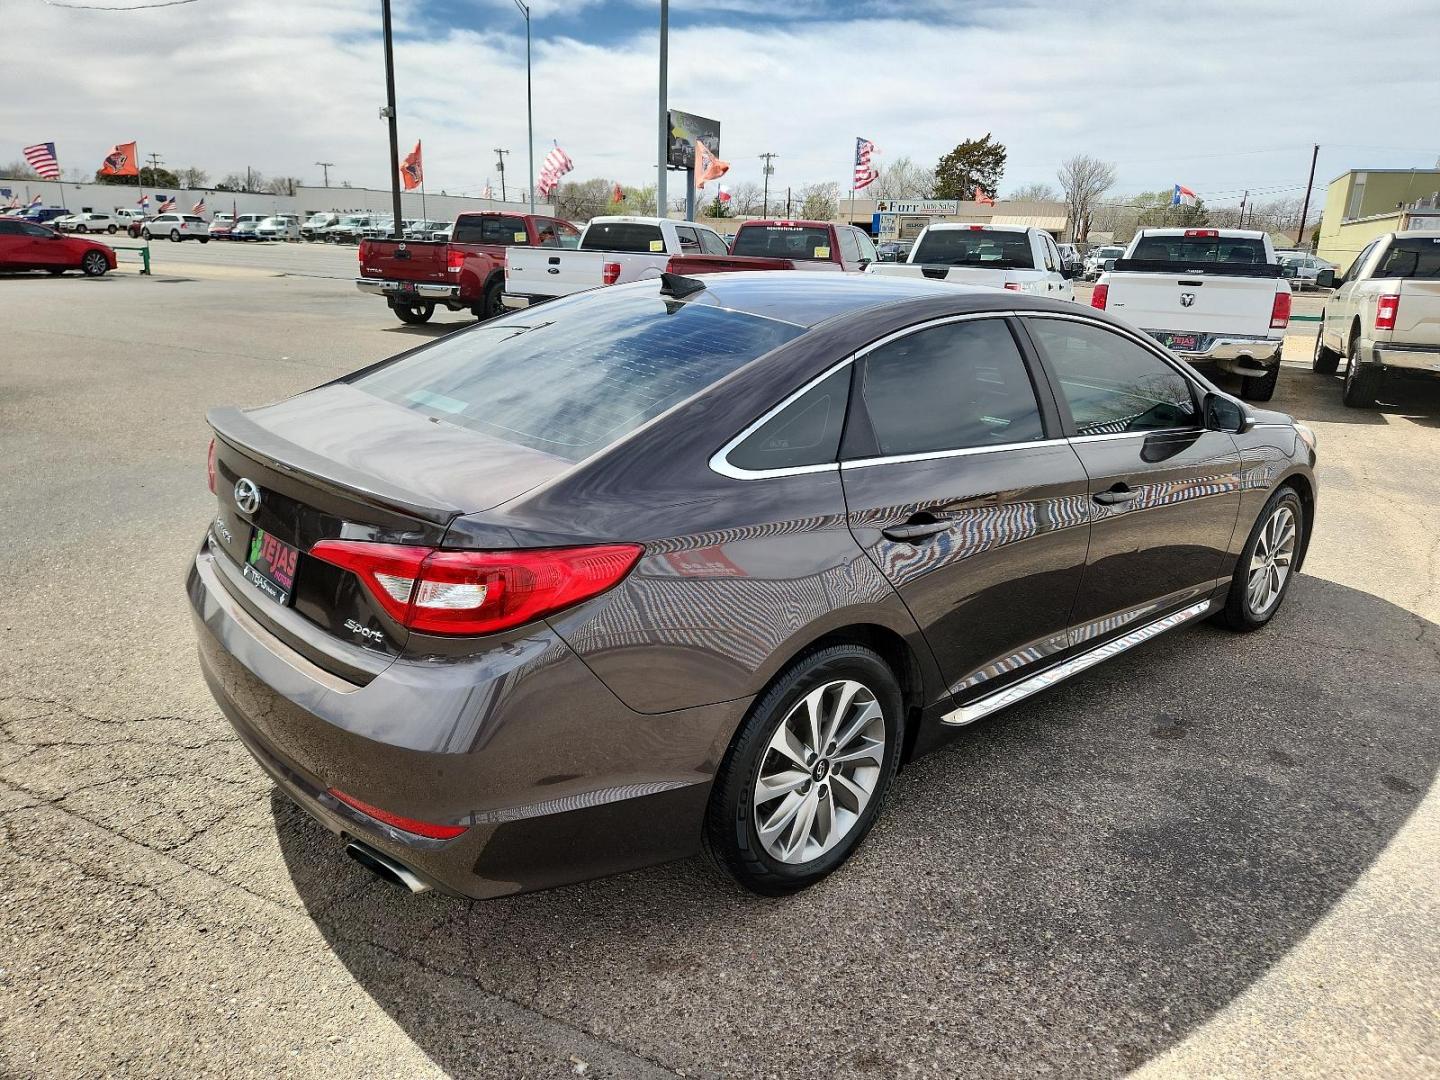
(145, 233)
(94, 264)
(806, 776)
(1267, 565)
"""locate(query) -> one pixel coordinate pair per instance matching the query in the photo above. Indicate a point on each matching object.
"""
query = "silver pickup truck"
(1383, 316)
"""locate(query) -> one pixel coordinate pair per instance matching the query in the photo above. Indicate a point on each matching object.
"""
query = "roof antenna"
(679, 286)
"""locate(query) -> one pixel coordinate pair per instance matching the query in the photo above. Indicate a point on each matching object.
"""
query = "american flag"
(41, 158)
(865, 172)
(37, 201)
(167, 205)
(144, 203)
(557, 163)
(198, 208)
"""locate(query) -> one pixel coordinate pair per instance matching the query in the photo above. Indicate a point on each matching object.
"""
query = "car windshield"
(976, 247)
(782, 242)
(1412, 257)
(579, 374)
(1235, 250)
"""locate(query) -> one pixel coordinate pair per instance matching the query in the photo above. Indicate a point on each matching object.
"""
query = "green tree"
(1158, 212)
(717, 209)
(974, 163)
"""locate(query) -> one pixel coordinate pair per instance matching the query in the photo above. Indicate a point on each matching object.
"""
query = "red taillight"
(1012, 286)
(1202, 232)
(454, 261)
(1280, 311)
(210, 466)
(610, 274)
(411, 825)
(478, 592)
(1386, 308)
(977, 228)
(1100, 296)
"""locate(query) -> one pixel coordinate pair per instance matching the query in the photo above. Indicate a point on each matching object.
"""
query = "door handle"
(915, 530)
(554, 260)
(1115, 495)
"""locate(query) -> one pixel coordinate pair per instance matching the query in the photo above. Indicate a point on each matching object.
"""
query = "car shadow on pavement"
(1069, 888)
(432, 329)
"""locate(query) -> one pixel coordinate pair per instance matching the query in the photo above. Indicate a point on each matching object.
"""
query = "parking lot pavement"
(1219, 857)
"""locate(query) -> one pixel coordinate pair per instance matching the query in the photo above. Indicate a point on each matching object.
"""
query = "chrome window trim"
(963, 451)
(1109, 435)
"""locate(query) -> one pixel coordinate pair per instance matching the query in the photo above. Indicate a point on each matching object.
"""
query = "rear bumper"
(1407, 357)
(555, 779)
(520, 301)
(1238, 354)
(407, 289)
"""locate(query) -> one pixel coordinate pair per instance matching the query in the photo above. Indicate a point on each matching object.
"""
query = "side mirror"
(1067, 271)
(864, 263)
(1226, 414)
(1325, 279)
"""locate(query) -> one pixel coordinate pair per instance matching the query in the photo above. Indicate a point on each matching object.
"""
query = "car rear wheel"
(1326, 360)
(806, 776)
(112, 229)
(81, 229)
(145, 233)
(175, 236)
(1362, 381)
(204, 239)
(1260, 387)
(412, 313)
(1267, 564)
(490, 305)
(94, 264)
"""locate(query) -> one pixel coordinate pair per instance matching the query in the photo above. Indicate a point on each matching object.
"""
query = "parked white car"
(279, 227)
(315, 223)
(88, 222)
(1015, 257)
(177, 227)
(1302, 269)
(612, 250)
(1214, 296)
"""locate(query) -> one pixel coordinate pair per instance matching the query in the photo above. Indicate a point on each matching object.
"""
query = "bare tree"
(747, 198)
(1040, 192)
(903, 179)
(580, 200)
(282, 185)
(1084, 179)
(819, 202)
(18, 170)
(193, 177)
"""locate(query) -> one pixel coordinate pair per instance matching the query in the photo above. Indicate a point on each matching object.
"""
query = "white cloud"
(1169, 92)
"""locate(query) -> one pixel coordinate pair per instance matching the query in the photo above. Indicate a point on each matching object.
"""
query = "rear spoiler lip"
(1214, 269)
(245, 436)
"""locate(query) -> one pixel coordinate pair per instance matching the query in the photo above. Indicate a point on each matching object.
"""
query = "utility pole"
(1305, 208)
(1243, 200)
(500, 164)
(326, 165)
(529, 108)
(155, 162)
(388, 112)
(768, 170)
(661, 175)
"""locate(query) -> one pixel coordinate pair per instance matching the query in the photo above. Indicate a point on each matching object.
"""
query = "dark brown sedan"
(705, 561)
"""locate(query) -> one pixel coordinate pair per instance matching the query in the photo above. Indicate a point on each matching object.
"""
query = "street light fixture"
(529, 110)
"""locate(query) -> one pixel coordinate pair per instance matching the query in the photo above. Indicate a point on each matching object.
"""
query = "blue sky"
(1220, 96)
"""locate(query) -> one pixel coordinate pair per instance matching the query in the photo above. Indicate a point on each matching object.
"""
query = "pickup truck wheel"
(490, 305)
(1267, 564)
(111, 229)
(412, 313)
(1326, 361)
(1362, 381)
(1260, 387)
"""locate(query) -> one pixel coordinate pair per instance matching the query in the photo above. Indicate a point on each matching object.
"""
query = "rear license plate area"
(270, 566)
(1180, 341)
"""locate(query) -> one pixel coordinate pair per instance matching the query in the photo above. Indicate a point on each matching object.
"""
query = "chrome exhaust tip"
(382, 866)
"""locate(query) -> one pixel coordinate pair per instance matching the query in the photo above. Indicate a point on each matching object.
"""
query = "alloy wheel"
(1270, 561)
(819, 771)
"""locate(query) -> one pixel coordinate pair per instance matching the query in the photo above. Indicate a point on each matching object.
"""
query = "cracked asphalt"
(1217, 857)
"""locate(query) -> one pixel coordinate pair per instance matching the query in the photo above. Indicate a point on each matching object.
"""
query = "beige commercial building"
(1365, 203)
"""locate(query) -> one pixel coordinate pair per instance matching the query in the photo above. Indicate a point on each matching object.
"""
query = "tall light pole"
(661, 175)
(500, 164)
(326, 165)
(529, 110)
(765, 198)
(388, 112)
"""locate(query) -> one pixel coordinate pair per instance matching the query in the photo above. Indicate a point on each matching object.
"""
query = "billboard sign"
(933, 207)
(685, 128)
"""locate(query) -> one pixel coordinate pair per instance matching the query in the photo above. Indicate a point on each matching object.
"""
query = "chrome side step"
(1042, 680)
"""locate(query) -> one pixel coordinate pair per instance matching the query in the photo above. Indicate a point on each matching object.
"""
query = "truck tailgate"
(404, 260)
(1417, 319)
(957, 275)
(1214, 304)
(539, 271)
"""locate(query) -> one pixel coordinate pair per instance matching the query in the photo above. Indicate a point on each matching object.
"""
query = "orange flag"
(982, 198)
(121, 161)
(412, 171)
(707, 165)
(617, 193)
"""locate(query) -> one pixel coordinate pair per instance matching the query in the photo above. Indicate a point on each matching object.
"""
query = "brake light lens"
(454, 261)
(610, 273)
(411, 825)
(478, 592)
(1386, 308)
(1100, 296)
(210, 466)
(1280, 311)
(1202, 232)
(1012, 286)
(977, 228)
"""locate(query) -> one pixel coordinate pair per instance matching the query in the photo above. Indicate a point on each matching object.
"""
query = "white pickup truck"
(612, 250)
(1214, 296)
(1384, 314)
(1013, 257)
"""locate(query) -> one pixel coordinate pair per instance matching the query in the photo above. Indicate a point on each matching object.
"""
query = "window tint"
(1411, 257)
(490, 229)
(959, 385)
(713, 243)
(623, 236)
(805, 432)
(545, 234)
(1244, 250)
(36, 230)
(10, 228)
(579, 376)
(867, 247)
(689, 242)
(996, 250)
(568, 235)
(1111, 383)
(783, 242)
(849, 247)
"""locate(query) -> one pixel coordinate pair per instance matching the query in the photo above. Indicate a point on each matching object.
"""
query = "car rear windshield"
(969, 247)
(782, 242)
(577, 375)
(622, 236)
(1412, 257)
(1236, 250)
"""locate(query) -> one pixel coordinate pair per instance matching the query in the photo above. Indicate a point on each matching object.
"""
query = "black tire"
(1326, 360)
(1260, 387)
(56, 270)
(1238, 612)
(94, 264)
(731, 837)
(112, 228)
(175, 236)
(81, 229)
(490, 305)
(204, 239)
(146, 234)
(1362, 381)
(413, 313)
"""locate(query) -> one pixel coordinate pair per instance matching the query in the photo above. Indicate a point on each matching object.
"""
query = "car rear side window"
(576, 376)
(950, 387)
(623, 236)
(1411, 257)
(1111, 383)
(1231, 250)
(805, 432)
(712, 243)
(989, 248)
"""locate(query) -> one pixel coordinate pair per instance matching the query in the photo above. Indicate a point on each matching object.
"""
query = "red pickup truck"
(785, 245)
(465, 273)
